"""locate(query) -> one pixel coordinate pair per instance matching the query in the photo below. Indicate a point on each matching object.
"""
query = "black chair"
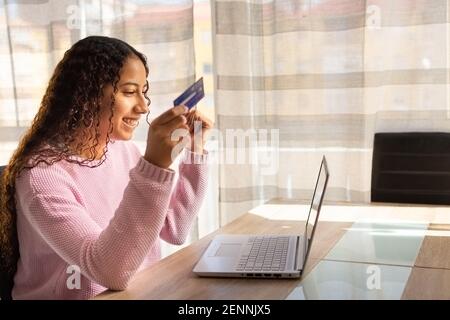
(411, 167)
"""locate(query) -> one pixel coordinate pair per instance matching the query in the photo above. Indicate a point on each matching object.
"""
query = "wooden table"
(172, 277)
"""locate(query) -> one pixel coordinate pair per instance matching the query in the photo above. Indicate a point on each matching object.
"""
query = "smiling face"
(130, 103)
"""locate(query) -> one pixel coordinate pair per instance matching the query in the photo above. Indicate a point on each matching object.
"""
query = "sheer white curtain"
(35, 34)
(327, 74)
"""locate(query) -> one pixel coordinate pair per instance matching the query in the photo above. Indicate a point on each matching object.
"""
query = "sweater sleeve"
(187, 197)
(110, 256)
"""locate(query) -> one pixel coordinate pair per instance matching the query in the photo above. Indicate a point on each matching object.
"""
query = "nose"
(142, 105)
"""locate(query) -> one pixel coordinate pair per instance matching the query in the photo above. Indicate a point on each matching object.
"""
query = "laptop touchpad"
(228, 250)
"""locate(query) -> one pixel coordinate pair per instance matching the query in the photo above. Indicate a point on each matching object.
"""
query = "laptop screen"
(316, 204)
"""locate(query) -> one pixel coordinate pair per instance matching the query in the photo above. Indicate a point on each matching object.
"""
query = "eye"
(128, 93)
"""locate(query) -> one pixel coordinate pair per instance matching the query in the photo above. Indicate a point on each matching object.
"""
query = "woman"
(78, 196)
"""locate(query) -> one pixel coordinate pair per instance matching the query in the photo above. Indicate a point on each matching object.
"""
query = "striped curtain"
(325, 75)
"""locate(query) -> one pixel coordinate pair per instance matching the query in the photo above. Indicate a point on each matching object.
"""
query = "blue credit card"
(192, 95)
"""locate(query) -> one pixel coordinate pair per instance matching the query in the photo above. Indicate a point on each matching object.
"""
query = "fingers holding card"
(198, 124)
(195, 115)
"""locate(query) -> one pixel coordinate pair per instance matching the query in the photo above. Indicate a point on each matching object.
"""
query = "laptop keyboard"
(266, 254)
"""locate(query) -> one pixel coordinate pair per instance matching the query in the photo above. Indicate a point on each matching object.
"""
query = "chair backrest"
(411, 167)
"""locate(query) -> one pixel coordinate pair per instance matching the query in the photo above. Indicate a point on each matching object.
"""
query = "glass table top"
(380, 243)
(348, 280)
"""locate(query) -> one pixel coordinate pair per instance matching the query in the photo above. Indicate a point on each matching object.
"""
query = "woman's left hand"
(199, 126)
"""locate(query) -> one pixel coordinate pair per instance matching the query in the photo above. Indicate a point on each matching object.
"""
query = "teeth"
(130, 122)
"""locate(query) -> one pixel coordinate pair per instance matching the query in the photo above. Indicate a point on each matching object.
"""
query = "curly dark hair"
(67, 124)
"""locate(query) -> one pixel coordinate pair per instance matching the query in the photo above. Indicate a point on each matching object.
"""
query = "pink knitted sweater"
(107, 221)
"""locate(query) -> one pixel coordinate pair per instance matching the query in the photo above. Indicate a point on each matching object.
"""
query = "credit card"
(192, 95)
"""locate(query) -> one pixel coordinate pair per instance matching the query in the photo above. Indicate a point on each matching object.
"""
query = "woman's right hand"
(159, 139)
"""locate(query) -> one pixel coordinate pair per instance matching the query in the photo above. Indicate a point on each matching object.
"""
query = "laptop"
(264, 256)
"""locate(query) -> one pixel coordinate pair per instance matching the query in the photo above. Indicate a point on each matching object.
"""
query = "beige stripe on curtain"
(326, 75)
